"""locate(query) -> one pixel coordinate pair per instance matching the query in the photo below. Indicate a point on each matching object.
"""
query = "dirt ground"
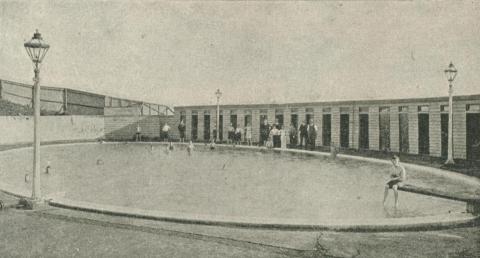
(54, 232)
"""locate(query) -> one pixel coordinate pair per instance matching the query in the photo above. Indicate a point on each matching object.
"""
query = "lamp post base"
(449, 162)
(31, 204)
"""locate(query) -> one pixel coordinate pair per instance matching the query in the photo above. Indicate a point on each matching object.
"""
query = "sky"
(180, 52)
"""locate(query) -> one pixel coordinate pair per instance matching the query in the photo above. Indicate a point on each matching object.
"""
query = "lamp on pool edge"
(218, 93)
(451, 73)
(36, 49)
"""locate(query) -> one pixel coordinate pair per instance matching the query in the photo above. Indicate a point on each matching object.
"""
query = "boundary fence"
(65, 101)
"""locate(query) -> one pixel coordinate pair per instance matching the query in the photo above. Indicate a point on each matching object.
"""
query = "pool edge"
(434, 222)
(383, 225)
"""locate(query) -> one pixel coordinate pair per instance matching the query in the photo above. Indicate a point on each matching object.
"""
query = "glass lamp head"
(451, 72)
(36, 47)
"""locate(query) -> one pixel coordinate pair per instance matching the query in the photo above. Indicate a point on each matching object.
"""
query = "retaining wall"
(19, 129)
(125, 127)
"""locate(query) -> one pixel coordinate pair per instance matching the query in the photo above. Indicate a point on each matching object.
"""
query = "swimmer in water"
(212, 145)
(47, 168)
(169, 148)
(190, 148)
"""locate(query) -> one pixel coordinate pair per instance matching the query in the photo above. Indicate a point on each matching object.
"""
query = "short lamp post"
(451, 73)
(36, 50)
(218, 93)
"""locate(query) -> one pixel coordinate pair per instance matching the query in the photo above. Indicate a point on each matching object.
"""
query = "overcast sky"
(179, 53)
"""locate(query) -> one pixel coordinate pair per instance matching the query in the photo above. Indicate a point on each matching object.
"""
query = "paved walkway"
(43, 233)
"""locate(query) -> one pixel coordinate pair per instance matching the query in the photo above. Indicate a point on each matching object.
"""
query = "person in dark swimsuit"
(397, 176)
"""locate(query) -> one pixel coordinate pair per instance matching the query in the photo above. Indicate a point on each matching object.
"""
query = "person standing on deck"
(264, 133)
(238, 135)
(283, 139)
(165, 132)
(248, 134)
(231, 134)
(138, 134)
(293, 133)
(311, 135)
(181, 130)
(303, 134)
(214, 132)
(275, 133)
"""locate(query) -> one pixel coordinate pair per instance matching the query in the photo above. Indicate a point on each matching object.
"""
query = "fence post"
(65, 101)
(1, 89)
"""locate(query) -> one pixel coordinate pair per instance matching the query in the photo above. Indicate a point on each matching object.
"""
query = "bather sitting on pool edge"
(397, 176)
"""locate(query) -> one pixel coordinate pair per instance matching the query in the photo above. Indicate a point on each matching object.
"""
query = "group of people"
(234, 134)
(271, 135)
(307, 134)
(274, 136)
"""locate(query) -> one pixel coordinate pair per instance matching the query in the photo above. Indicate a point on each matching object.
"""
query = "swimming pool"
(251, 184)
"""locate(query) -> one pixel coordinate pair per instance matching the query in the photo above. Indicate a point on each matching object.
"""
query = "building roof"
(475, 97)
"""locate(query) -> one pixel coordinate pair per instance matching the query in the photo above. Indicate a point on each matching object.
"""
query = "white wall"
(19, 129)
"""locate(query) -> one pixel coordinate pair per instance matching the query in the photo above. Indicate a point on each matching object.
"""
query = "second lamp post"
(451, 73)
(218, 93)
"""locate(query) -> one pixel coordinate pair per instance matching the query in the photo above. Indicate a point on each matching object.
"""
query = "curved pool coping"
(387, 224)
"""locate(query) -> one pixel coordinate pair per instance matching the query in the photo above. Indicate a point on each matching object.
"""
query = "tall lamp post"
(451, 73)
(36, 50)
(218, 93)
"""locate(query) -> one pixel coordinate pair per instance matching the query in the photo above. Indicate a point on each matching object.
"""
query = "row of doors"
(472, 137)
(207, 131)
(473, 131)
(206, 127)
(344, 130)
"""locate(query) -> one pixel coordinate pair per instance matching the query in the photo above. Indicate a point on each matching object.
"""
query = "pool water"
(224, 182)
